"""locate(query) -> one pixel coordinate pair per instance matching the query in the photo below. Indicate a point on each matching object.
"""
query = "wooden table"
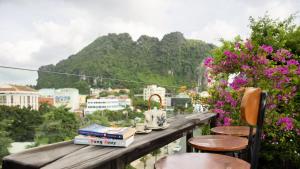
(69, 156)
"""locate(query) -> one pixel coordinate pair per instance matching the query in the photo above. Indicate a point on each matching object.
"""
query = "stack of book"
(105, 136)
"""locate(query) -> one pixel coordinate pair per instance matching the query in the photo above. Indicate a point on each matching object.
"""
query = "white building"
(106, 103)
(153, 89)
(23, 96)
(68, 97)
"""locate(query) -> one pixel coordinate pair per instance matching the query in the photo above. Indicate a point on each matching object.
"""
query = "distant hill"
(173, 60)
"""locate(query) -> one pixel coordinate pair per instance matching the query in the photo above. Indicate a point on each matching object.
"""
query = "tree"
(21, 122)
(104, 94)
(279, 34)
(293, 41)
(141, 104)
(59, 125)
(82, 86)
(96, 117)
(5, 142)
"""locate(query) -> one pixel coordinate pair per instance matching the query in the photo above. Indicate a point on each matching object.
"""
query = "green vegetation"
(58, 125)
(278, 34)
(143, 105)
(16, 124)
(20, 123)
(4, 142)
(171, 61)
(262, 61)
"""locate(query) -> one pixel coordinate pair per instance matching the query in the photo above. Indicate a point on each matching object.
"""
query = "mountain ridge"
(170, 61)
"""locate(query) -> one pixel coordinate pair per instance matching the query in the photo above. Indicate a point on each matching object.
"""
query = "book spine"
(102, 142)
(89, 133)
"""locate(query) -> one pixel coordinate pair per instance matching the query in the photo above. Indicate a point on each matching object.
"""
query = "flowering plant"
(243, 64)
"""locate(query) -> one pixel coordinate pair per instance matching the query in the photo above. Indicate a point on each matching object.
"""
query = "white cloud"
(213, 32)
(19, 52)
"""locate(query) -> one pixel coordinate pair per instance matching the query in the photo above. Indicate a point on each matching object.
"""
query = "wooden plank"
(39, 156)
(142, 145)
(67, 155)
(84, 157)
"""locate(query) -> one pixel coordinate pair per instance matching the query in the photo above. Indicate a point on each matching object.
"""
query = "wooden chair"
(241, 131)
(252, 111)
(229, 143)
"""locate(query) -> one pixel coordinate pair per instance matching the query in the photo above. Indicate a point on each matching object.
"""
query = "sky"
(41, 32)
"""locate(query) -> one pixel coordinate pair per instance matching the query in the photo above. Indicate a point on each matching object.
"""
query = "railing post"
(188, 136)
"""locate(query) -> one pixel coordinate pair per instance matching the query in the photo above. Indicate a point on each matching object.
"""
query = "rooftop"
(15, 88)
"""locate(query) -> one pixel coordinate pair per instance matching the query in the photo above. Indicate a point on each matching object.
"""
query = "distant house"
(96, 91)
(15, 95)
(68, 97)
(181, 99)
(153, 89)
(106, 103)
(46, 100)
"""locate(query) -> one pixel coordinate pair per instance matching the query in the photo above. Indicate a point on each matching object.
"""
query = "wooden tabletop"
(67, 155)
(242, 131)
(200, 161)
(219, 143)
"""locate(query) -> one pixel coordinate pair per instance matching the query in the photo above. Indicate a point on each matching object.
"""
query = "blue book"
(108, 132)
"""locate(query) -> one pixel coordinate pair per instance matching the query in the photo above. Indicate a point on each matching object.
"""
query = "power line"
(84, 76)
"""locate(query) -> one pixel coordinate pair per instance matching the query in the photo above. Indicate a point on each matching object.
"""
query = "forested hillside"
(173, 60)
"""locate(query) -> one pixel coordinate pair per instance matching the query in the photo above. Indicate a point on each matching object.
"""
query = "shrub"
(241, 64)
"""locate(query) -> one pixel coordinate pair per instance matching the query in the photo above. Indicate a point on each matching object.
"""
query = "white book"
(91, 140)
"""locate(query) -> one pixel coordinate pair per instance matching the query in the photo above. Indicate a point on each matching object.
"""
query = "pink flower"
(219, 111)
(292, 62)
(298, 71)
(281, 55)
(245, 67)
(283, 70)
(208, 62)
(248, 45)
(238, 81)
(263, 136)
(269, 72)
(219, 104)
(223, 82)
(279, 97)
(271, 106)
(267, 48)
(227, 121)
(237, 46)
(298, 132)
(227, 53)
(286, 122)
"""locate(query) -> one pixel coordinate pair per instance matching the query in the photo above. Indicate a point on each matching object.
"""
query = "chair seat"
(241, 131)
(219, 143)
(200, 160)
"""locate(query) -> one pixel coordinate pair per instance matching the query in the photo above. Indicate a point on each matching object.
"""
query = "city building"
(154, 89)
(106, 103)
(68, 97)
(46, 100)
(15, 95)
(96, 91)
(182, 99)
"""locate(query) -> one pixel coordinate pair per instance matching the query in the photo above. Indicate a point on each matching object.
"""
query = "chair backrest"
(257, 139)
(253, 107)
(250, 105)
